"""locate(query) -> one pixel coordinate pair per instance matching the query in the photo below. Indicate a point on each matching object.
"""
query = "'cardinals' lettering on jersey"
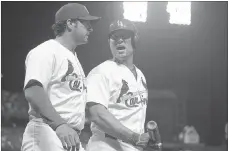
(76, 82)
(131, 99)
(114, 86)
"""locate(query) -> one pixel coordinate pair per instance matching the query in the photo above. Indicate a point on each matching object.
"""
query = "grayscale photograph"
(114, 75)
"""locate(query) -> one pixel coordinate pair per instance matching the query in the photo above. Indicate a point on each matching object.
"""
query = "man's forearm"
(40, 102)
(109, 124)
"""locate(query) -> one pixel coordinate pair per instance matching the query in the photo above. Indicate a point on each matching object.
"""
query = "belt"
(46, 121)
(109, 136)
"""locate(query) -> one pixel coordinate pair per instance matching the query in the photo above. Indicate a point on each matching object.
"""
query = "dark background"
(190, 61)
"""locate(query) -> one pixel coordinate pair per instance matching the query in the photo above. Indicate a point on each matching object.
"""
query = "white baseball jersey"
(114, 86)
(63, 78)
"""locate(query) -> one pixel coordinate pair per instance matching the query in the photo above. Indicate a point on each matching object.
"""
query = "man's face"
(120, 44)
(81, 31)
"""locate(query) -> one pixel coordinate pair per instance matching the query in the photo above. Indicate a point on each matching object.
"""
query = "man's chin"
(122, 56)
(82, 43)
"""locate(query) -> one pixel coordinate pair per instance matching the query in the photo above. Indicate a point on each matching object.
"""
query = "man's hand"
(141, 140)
(144, 141)
(69, 137)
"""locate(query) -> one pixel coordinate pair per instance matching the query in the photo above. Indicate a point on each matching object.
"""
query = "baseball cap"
(122, 24)
(74, 11)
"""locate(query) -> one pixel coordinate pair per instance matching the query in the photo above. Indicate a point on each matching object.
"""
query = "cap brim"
(90, 18)
(122, 30)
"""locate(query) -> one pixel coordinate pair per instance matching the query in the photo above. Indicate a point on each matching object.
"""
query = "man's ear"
(70, 24)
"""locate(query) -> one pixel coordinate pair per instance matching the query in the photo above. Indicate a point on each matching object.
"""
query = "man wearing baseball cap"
(117, 95)
(55, 84)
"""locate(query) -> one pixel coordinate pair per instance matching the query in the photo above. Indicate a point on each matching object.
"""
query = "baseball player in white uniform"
(117, 96)
(55, 84)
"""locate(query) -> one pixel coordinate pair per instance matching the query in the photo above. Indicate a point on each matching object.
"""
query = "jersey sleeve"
(39, 66)
(142, 76)
(97, 88)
